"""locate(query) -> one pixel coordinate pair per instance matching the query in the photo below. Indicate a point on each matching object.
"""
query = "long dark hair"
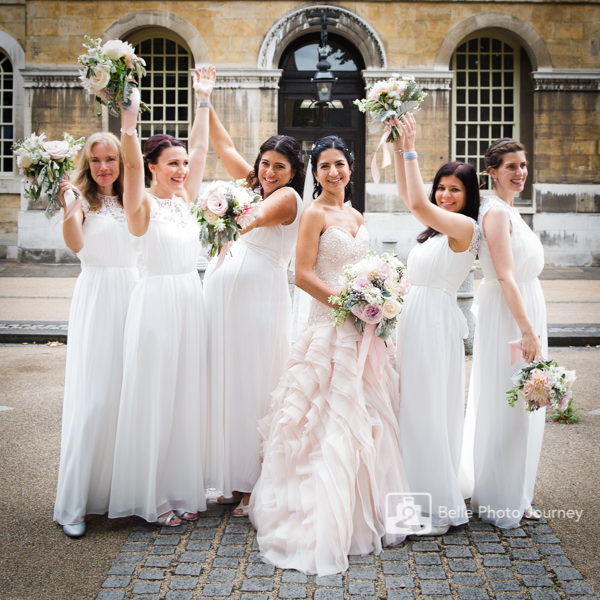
(291, 149)
(467, 174)
(153, 148)
(325, 143)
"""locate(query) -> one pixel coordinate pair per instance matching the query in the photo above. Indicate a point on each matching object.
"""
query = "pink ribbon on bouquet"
(222, 254)
(371, 342)
(387, 159)
(516, 351)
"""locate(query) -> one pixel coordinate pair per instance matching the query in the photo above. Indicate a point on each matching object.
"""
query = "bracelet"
(202, 104)
(410, 155)
(398, 150)
(131, 131)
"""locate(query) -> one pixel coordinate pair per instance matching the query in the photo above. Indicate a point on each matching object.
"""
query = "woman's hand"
(407, 125)
(531, 346)
(63, 187)
(204, 82)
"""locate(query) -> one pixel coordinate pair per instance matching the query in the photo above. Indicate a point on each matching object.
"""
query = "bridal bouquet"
(393, 97)
(372, 294)
(223, 210)
(542, 383)
(110, 72)
(44, 163)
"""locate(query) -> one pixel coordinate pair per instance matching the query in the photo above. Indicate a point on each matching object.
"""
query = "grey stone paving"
(217, 557)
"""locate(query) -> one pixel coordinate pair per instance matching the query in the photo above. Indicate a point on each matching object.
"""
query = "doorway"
(300, 118)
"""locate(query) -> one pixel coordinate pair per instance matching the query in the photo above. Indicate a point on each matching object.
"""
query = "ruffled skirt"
(331, 454)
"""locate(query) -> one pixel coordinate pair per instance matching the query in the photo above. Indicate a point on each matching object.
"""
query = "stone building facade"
(529, 69)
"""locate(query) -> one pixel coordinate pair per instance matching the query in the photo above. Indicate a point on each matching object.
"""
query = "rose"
(245, 218)
(58, 150)
(115, 49)
(98, 78)
(210, 217)
(372, 314)
(391, 308)
(24, 161)
(360, 282)
(217, 204)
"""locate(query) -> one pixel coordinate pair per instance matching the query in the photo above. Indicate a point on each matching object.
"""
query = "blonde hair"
(82, 177)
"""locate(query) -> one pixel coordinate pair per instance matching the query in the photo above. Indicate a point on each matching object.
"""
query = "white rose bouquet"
(44, 163)
(110, 72)
(392, 97)
(373, 292)
(223, 210)
(542, 383)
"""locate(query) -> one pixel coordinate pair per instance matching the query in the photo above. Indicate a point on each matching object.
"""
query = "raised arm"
(135, 200)
(458, 227)
(204, 81)
(279, 208)
(312, 223)
(496, 226)
(232, 160)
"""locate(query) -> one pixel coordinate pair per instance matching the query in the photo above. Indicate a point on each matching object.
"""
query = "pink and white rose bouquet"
(110, 72)
(542, 383)
(392, 97)
(44, 163)
(223, 209)
(373, 292)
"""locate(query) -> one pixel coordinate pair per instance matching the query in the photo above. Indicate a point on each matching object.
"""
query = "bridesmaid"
(97, 232)
(249, 304)
(158, 461)
(330, 440)
(432, 327)
(503, 443)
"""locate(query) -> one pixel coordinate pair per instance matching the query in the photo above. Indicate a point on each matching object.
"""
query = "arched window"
(167, 86)
(6, 113)
(487, 96)
(306, 122)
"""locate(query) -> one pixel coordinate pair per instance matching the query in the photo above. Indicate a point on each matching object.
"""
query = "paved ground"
(217, 557)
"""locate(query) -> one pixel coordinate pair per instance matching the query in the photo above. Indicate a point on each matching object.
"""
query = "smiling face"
(274, 171)
(332, 171)
(170, 171)
(509, 178)
(104, 166)
(450, 193)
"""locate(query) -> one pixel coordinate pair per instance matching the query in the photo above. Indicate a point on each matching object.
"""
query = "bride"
(330, 443)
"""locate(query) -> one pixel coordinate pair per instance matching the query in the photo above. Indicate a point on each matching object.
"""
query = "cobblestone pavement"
(218, 557)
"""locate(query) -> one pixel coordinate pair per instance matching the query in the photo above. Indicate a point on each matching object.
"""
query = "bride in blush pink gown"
(331, 451)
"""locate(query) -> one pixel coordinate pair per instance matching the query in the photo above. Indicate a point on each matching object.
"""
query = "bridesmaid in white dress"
(330, 443)
(158, 456)
(97, 231)
(502, 444)
(432, 327)
(248, 300)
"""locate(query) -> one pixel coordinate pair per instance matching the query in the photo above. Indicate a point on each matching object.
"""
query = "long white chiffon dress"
(94, 362)
(330, 442)
(502, 444)
(249, 306)
(431, 363)
(162, 418)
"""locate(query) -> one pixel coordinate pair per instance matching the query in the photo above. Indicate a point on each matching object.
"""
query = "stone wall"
(244, 40)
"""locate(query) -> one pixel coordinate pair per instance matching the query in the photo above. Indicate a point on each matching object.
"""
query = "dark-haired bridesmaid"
(158, 472)
(248, 300)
